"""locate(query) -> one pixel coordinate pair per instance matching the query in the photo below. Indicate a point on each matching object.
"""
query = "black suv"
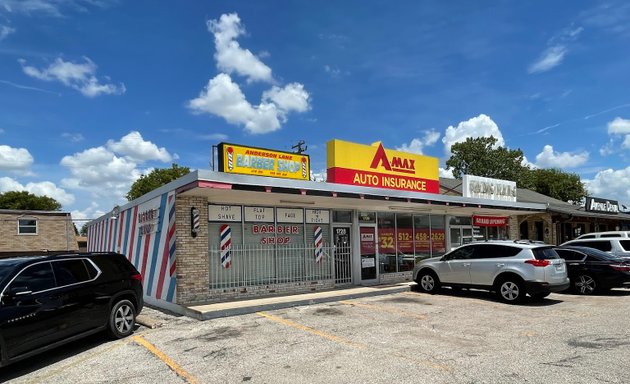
(49, 300)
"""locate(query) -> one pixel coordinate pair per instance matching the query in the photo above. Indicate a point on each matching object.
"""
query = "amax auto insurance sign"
(375, 166)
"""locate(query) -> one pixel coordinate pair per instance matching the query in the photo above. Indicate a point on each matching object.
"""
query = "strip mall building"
(260, 227)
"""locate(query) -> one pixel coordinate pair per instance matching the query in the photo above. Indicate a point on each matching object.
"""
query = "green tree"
(479, 157)
(83, 231)
(28, 201)
(155, 179)
(558, 184)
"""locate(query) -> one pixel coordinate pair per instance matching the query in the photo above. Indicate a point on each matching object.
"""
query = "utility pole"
(298, 147)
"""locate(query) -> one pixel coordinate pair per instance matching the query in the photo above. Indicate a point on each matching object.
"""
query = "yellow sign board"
(375, 166)
(263, 162)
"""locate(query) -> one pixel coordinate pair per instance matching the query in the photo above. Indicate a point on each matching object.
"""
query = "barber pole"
(226, 246)
(304, 167)
(230, 158)
(319, 243)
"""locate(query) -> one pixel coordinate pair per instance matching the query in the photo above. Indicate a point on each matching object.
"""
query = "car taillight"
(137, 276)
(538, 263)
(622, 268)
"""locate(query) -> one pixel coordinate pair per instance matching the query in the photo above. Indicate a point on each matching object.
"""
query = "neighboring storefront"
(216, 236)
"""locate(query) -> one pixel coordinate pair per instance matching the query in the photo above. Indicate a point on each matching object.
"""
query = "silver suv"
(510, 268)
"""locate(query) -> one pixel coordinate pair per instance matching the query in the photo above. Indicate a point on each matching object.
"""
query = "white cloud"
(213, 136)
(224, 98)
(619, 126)
(82, 217)
(79, 76)
(447, 174)
(527, 163)
(5, 31)
(230, 56)
(417, 145)
(136, 148)
(610, 184)
(322, 175)
(14, 159)
(50, 7)
(550, 58)
(73, 137)
(292, 97)
(480, 126)
(44, 188)
(548, 158)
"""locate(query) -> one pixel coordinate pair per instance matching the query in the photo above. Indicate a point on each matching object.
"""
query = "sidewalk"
(241, 307)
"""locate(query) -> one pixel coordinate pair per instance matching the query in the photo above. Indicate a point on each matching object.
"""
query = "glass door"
(367, 240)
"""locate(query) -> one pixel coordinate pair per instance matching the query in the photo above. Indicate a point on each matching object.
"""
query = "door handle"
(500, 265)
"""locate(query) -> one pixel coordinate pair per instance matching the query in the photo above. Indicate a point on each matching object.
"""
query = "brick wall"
(54, 233)
(193, 276)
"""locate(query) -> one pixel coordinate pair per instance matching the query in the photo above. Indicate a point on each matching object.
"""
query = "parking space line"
(384, 309)
(167, 360)
(314, 331)
(345, 341)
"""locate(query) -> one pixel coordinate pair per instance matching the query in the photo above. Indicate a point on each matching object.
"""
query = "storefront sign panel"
(487, 188)
(317, 216)
(221, 213)
(594, 204)
(290, 215)
(263, 162)
(375, 166)
(489, 221)
(259, 214)
(149, 217)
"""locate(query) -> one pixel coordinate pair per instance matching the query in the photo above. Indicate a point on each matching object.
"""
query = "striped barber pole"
(319, 243)
(226, 246)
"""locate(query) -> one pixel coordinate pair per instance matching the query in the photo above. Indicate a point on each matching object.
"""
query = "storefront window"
(387, 242)
(438, 236)
(342, 216)
(422, 237)
(367, 217)
(404, 242)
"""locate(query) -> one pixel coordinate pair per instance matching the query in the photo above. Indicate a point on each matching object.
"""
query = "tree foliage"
(155, 179)
(27, 201)
(558, 184)
(481, 157)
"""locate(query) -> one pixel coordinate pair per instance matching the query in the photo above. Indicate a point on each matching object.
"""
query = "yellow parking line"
(167, 360)
(384, 309)
(314, 331)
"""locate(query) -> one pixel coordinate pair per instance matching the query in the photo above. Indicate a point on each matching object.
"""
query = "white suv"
(619, 246)
(510, 268)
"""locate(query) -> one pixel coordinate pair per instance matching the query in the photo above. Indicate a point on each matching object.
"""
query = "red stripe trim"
(145, 254)
(132, 239)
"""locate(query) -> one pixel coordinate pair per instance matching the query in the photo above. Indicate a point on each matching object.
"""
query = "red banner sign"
(490, 221)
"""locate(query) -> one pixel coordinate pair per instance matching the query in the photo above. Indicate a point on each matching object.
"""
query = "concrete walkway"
(241, 307)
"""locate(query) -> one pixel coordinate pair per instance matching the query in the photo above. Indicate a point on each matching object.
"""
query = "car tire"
(540, 296)
(428, 282)
(122, 319)
(584, 284)
(510, 290)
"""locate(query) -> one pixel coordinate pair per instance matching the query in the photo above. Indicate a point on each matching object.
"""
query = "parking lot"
(409, 337)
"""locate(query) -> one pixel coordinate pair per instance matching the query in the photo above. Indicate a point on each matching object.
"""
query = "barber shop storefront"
(260, 227)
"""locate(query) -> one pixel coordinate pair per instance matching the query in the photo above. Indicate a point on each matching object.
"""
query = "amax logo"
(398, 164)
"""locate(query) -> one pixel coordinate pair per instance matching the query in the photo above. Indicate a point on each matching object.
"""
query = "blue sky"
(94, 93)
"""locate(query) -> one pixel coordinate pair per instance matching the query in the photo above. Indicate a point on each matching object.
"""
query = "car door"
(30, 310)
(575, 261)
(454, 267)
(488, 261)
(80, 309)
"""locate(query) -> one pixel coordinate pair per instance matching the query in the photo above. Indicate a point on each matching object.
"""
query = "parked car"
(50, 300)
(618, 246)
(596, 235)
(510, 268)
(591, 270)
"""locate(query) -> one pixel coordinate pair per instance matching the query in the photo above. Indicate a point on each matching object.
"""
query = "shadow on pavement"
(488, 296)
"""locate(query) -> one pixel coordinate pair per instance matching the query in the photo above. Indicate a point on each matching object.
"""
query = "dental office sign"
(263, 162)
(489, 189)
(594, 204)
(375, 166)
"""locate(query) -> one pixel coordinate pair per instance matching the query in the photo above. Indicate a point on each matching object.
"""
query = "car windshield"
(545, 253)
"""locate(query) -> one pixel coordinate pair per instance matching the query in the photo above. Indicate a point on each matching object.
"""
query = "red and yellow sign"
(263, 162)
(489, 221)
(375, 166)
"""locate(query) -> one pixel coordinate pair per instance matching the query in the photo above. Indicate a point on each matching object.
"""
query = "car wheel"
(511, 290)
(539, 296)
(428, 281)
(584, 285)
(122, 319)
